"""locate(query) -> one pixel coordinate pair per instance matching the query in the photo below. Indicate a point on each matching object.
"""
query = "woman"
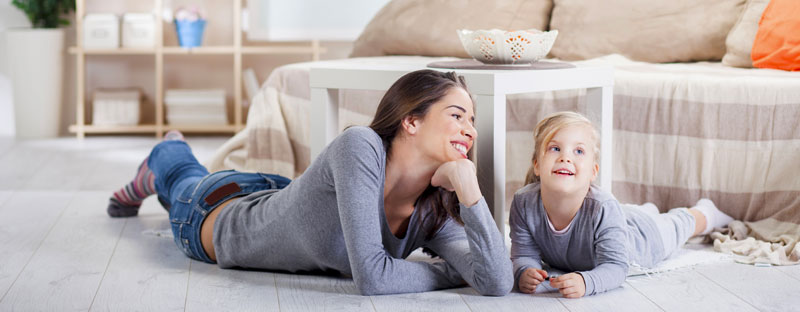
(374, 195)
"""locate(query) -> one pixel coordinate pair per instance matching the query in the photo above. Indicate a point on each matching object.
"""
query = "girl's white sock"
(714, 217)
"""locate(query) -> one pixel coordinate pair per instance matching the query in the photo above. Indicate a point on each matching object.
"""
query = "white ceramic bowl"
(497, 46)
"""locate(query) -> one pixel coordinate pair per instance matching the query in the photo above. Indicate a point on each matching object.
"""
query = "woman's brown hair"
(413, 95)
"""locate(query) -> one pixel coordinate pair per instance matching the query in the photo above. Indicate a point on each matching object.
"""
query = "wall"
(311, 19)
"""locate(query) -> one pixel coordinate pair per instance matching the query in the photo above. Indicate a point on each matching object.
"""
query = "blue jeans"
(190, 193)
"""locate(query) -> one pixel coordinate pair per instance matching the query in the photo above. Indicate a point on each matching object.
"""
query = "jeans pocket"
(180, 218)
(186, 196)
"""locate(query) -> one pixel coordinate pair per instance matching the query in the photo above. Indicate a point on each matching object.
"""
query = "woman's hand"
(531, 278)
(459, 176)
(570, 285)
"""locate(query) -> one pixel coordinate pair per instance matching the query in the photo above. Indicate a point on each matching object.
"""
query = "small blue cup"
(190, 33)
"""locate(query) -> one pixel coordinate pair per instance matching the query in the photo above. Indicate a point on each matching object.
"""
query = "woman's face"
(447, 132)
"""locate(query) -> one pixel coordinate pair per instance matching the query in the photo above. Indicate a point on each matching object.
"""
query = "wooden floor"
(59, 251)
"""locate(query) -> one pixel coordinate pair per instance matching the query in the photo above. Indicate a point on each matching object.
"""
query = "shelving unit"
(81, 128)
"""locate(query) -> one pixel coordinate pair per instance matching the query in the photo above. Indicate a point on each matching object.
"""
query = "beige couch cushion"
(740, 39)
(643, 30)
(428, 27)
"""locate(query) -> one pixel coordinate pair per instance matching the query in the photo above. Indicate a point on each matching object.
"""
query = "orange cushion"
(777, 43)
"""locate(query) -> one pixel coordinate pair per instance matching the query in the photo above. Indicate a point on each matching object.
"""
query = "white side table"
(489, 89)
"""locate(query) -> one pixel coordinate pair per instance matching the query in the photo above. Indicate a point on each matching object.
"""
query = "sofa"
(692, 118)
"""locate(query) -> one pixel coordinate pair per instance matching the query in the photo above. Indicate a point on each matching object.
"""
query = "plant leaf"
(46, 13)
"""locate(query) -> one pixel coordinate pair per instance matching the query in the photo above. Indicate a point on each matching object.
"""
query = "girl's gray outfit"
(332, 219)
(601, 242)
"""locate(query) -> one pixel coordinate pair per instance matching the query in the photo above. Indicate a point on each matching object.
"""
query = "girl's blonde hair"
(547, 128)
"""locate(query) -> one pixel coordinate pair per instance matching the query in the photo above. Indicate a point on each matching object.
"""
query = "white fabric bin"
(100, 31)
(118, 108)
(138, 30)
(196, 107)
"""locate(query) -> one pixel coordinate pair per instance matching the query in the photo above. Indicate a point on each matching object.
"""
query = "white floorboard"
(66, 269)
(19, 164)
(442, 300)
(791, 270)
(64, 171)
(687, 290)
(215, 289)
(314, 293)
(766, 288)
(6, 142)
(512, 302)
(25, 220)
(610, 301)
(146, 272)
(4, 195)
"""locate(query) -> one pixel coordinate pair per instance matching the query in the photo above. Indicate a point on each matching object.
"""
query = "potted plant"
(36, 58)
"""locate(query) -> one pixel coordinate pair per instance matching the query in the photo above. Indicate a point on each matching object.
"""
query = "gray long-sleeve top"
(601, 242)
(332, 219)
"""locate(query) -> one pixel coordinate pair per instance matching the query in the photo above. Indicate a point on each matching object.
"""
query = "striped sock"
(126, 201)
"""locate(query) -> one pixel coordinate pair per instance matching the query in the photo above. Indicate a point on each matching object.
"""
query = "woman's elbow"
(497, 288)
(369, 292)
(371, 288)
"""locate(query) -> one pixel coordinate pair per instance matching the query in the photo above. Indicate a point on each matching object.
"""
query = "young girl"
(374, 195)
(561, 218)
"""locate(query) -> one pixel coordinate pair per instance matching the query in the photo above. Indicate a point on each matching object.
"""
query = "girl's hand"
(531, 278)
(570, 285)
(459, 176)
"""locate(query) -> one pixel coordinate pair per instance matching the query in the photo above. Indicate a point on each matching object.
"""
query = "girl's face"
(567, 164)
(446, 132)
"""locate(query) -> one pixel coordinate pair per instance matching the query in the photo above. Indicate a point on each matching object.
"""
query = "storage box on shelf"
(138, 30)
(101, 31)
(135, 36)
(196, 107)
(116, 108)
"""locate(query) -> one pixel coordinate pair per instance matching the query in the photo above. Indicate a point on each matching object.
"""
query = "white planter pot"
(35, 60)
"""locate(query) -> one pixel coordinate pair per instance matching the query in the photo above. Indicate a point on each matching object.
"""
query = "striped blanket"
(681, 132)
